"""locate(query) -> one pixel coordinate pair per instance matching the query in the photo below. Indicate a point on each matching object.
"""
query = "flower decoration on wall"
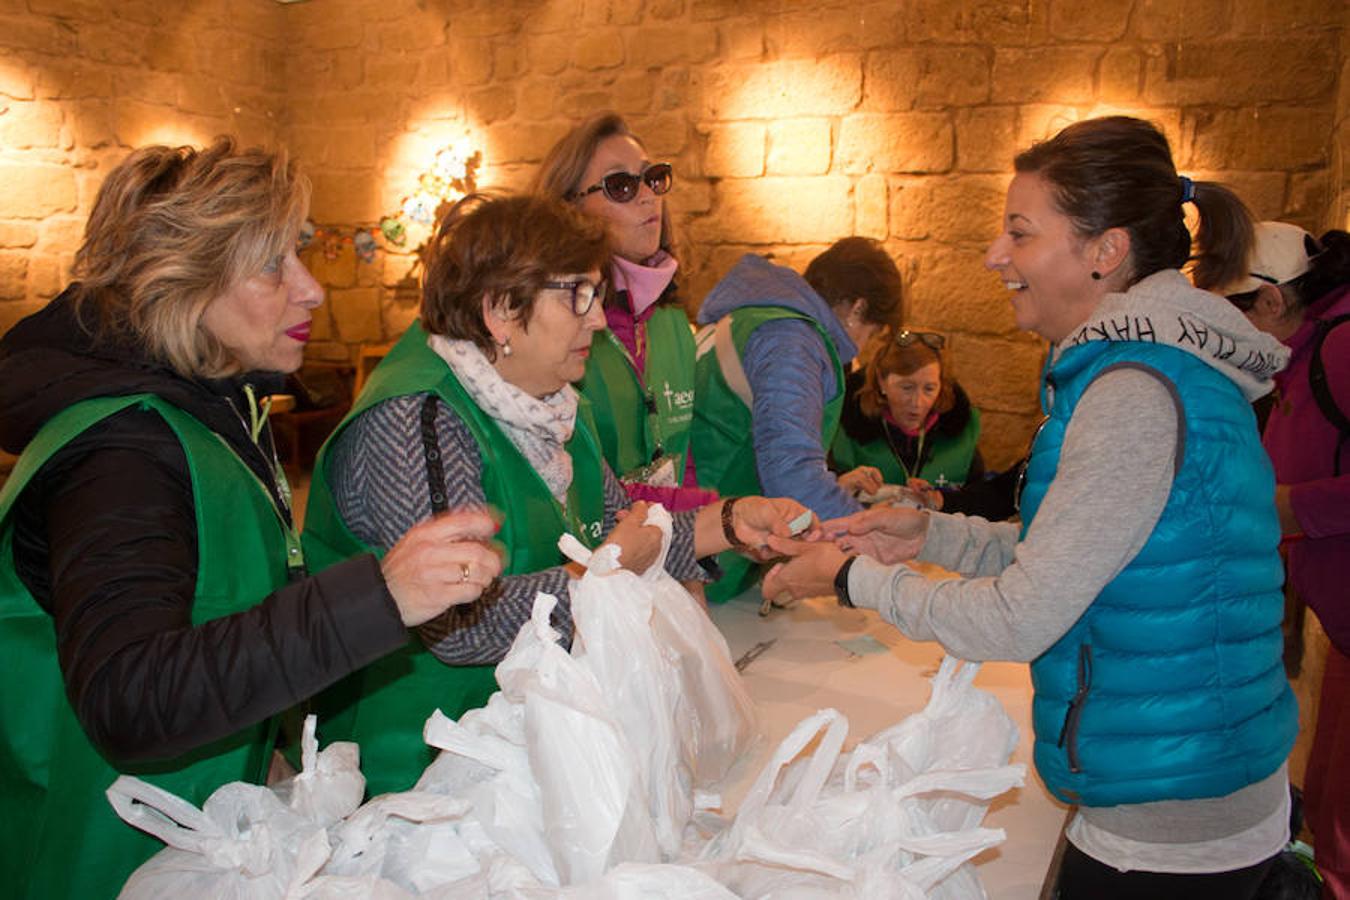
(332, 240)
(453, 174)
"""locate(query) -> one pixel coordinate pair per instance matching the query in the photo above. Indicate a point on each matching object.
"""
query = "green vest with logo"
(59, 837)
(640, 422)
(722, 439)
(947, 463)
(384, 706)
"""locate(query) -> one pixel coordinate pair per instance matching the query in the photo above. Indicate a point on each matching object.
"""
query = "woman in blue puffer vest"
(1143, 583)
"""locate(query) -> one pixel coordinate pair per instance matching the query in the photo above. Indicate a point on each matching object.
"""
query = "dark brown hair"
(893, 359)
(858, 268)
(502, 246)
(172, 229)
(1117, 172)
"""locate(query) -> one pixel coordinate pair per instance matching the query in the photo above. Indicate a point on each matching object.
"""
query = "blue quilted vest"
(1170, 686)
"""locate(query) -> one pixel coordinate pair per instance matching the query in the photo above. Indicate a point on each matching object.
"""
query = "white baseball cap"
(1281, 253)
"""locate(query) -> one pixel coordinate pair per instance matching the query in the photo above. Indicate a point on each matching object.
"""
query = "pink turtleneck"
(644, 285)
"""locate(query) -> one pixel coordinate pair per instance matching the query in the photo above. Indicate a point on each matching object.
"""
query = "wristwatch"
(841, 583)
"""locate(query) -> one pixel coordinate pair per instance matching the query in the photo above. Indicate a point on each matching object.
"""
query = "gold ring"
(463, 571)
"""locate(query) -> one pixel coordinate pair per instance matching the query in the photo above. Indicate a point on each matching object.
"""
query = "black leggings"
(1083, 878)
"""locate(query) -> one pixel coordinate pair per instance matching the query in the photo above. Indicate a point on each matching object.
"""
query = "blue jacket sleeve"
(791, 377)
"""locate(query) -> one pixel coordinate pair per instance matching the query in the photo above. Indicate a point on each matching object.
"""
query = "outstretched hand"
(888, 534)
(441, 562)
(808, 571)
(862, 480)
(757, 520)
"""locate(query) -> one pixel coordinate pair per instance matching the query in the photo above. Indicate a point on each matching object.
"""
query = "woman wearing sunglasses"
(907, 422)
(474, 406)
(640, 376)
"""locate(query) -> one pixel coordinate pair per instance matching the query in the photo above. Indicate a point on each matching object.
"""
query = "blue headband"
(1187, 189)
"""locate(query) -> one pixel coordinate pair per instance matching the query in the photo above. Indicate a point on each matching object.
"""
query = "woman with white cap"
(1297, 289)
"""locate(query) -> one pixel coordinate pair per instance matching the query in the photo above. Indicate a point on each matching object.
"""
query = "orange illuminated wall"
(790, 123)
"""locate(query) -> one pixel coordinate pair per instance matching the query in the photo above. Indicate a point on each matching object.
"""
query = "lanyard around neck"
(918, 455)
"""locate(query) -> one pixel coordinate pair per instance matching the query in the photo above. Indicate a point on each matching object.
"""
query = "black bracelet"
(728, 529)
(841, 584)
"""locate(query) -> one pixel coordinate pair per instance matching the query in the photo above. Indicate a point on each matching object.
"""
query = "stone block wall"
(84, 81)
(1338, 215)
(790, 123)
(793, 123)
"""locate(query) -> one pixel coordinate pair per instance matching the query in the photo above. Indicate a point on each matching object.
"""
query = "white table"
(806, 670)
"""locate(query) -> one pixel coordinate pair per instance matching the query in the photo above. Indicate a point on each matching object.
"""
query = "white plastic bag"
(329, 786)
(414, 840)
(484, 760)
(895, 818)
(961, 727)
(243, 843)
(595, 809)
(634, 881)
(637, 676)
(718, 716)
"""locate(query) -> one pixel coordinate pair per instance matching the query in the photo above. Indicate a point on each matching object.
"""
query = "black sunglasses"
(584, 294)
(930, 339)
(622, 187)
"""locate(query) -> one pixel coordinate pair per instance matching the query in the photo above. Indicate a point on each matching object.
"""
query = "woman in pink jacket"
(1298, 290)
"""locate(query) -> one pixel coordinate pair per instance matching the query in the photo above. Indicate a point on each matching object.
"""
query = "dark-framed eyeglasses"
(930, 339)
(583, 292)
(622, 187)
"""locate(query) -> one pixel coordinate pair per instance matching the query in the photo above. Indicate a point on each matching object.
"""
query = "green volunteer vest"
(384, 706)
(721, 435)
(59, 837)
(638, 422)
(947, 465)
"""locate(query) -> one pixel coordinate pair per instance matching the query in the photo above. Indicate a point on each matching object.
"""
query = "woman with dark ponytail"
(1297, 289)
(1143, 583)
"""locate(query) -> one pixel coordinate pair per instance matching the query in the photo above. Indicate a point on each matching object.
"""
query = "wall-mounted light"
(452, 175)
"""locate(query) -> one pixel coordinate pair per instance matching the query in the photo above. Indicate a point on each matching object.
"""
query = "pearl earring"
(506, 347)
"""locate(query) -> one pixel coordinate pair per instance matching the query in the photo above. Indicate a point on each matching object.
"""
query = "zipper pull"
(257, 412)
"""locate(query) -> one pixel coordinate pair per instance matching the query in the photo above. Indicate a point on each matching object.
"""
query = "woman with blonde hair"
(640, 376)
(156, 614)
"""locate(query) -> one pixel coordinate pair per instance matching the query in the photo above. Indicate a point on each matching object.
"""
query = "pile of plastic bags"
(591, 775)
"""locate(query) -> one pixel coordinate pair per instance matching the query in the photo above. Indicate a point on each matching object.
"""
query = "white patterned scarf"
(540, 428)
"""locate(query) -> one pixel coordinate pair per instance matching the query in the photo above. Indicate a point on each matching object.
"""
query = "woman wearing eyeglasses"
(907, 422)
(640, 375)
(474, 406)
